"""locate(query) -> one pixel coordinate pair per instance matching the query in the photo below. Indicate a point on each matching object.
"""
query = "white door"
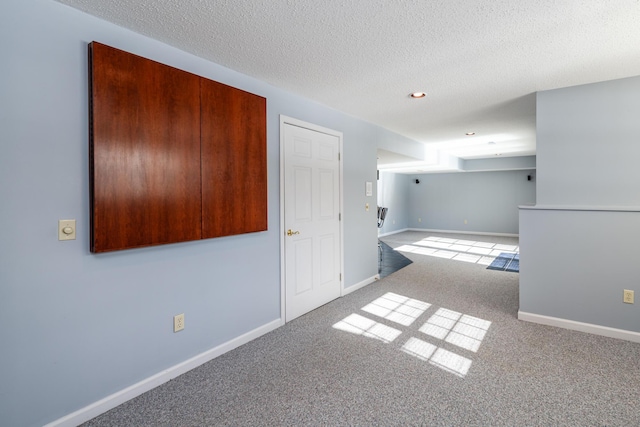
(312, 242)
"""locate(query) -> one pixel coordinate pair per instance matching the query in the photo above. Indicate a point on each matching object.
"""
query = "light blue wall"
(579, 244)
(588, 144)
(574, 265)
(393, 193)
(488, 201)
(78, 327)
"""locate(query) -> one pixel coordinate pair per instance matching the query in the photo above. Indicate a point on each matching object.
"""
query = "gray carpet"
(342, 365)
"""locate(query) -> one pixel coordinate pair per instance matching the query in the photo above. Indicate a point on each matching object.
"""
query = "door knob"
(291, 233)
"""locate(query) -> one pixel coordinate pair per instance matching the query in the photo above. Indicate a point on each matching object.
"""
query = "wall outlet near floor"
(178, 322)
(419, 219)
(627, 296)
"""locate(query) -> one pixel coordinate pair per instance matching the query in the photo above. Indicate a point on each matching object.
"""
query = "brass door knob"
(291, 233)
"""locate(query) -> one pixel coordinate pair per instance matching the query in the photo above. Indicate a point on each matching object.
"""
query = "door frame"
(285, 120)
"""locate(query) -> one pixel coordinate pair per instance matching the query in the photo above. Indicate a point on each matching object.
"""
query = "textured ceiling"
(480, 62)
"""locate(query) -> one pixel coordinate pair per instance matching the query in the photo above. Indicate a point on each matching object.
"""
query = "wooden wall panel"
(234, 161)
(145, 152)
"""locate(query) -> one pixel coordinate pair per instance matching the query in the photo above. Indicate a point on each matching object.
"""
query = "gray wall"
(488, 201)
(393, 193)
(78, 327)
(579, 245)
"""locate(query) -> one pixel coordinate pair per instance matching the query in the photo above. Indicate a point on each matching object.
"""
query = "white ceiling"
(480, 61)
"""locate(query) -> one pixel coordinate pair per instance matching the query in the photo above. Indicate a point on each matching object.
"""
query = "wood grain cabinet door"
(234, 161)
(144, 152)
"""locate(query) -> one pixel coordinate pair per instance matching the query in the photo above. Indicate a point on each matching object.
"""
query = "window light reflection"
(470, 251)
(451, 362)
(455, 328)
(439, 357)
(397, 308)
(418, 348)
(360, 325)
(452, 327)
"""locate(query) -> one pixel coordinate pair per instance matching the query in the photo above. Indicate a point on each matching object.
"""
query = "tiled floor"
(390, 261)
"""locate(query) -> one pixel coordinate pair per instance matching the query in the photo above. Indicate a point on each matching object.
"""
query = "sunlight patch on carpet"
(445, 326)
(483, 253)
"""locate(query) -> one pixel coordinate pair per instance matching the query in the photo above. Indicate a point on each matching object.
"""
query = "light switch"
(67, 229)
(368, 189)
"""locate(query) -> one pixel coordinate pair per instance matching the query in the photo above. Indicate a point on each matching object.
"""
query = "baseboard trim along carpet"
(101, 406)
(579, 326)
(353, 288)
(390, 233)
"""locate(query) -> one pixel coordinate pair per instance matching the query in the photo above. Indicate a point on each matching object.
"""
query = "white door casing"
(311, 188)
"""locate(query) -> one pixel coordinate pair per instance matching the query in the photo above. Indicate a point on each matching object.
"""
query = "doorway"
(311, 205)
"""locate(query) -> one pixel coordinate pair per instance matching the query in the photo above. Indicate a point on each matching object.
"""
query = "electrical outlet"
(627, 296)
(419, 219)
(178, 322)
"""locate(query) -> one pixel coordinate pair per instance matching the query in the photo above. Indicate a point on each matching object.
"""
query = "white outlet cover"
(178, 322)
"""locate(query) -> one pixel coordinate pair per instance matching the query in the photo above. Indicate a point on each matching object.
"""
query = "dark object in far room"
(382, 214)
(506, 262)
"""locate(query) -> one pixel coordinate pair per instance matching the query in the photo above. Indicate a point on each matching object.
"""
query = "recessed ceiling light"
(470, 133)
(418, 95)
(492, 143)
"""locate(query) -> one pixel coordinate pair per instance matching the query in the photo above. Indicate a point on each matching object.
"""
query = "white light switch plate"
(368, 189)
(67, 229)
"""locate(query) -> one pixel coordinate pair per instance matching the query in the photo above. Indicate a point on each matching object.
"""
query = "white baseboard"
(393, 232)
(479, 233)
(353, 288)
(101, 406)
(579, 326)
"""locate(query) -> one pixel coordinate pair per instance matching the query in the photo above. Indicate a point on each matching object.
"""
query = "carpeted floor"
(435, 344)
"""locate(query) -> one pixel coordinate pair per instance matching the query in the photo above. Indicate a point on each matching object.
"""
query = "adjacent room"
(190, 194)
